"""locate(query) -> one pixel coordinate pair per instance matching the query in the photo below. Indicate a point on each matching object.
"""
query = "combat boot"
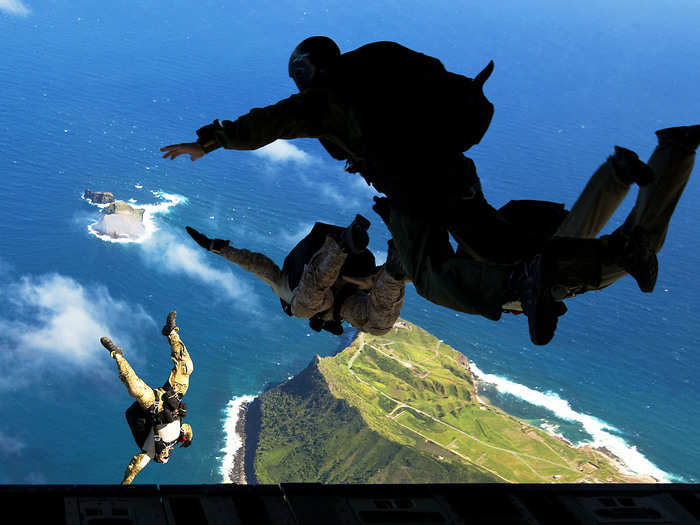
(169, 323)
(354, 238)
(632, 251)
(686, 136)
(630, 169)
(113, 349)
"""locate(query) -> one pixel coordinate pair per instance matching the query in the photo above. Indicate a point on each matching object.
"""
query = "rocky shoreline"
(602, 450)
(248, 428)
(237, 473)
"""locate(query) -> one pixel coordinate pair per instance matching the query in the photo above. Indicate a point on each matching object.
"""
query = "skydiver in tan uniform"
(155, 418)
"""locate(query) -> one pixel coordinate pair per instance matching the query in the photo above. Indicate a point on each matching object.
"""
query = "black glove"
(334, 327)
(316, 323)
(212, 245)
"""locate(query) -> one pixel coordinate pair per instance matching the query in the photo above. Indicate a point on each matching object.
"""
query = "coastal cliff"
(402, 408)
(299, 431)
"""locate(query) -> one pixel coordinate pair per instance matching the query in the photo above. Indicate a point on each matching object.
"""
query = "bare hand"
(193, 149)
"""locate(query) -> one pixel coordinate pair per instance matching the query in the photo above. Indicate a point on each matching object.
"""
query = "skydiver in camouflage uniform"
(329, 277)
(401, 120)
(155, 418)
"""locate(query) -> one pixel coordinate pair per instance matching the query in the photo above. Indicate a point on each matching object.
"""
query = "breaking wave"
(633, 460)
(233, 438)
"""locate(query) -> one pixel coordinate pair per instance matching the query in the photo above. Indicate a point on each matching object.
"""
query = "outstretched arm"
(135, 466)
(256, 263)
(306, 114)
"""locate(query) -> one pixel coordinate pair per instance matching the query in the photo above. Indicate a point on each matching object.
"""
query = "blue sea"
(92, 90)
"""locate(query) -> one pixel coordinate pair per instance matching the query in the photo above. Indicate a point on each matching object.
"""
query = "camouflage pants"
(373, 311)
(179, 376)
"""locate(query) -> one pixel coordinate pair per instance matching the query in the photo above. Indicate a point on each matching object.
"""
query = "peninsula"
(402, 408)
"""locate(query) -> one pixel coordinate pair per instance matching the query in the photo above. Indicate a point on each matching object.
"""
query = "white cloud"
(379, 256)
(349, 191)
(331, 193)
(360, 185)
(14, 7)
(167, 253)
(290, 239)
(57, 325)
(283, 151)
(10, 445)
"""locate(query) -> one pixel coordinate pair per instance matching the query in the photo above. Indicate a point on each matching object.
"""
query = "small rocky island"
(119, 220)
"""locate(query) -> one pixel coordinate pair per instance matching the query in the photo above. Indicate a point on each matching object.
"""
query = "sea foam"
(633, 460)
(233, 440)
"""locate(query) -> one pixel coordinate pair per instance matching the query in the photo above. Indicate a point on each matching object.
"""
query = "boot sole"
(169, 324)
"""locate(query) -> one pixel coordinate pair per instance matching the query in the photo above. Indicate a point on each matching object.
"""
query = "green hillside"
(403, 408)
(307, 434)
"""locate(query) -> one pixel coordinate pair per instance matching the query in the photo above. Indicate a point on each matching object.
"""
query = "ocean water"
(90, 93)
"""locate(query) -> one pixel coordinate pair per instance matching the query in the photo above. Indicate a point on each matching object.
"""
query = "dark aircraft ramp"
(312, 504)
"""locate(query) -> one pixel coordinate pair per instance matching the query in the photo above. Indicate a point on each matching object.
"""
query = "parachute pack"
(141, 421)
(406, 99)
(357, 265)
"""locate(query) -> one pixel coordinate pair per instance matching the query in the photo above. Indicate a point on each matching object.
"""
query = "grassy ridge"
(404, 408)
(307, 434)
(409, 386)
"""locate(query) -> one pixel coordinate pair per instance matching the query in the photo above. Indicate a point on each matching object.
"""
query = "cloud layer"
(283, 151)
(55, 325)
(351, 193)
(14, 7)
(10, 445)
(167, 253)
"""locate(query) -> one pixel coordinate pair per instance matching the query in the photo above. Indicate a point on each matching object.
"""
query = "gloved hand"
(212, 245)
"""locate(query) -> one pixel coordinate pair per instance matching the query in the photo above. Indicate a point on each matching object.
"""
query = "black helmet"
(310, 59)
